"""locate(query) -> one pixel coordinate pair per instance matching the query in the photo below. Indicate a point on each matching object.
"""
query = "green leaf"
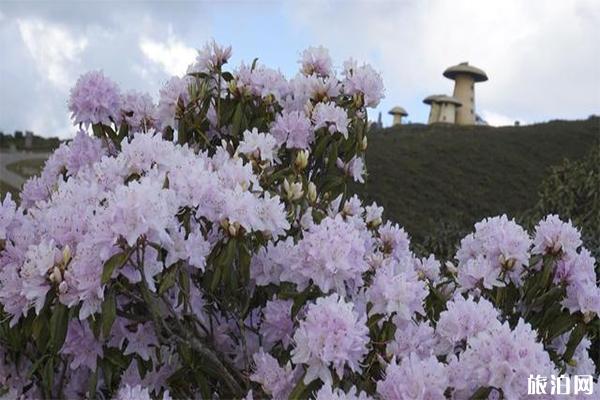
(112, 135)
(107, 372)
(48, 374)
(116, 261)
(216, 277)
(184, 282)
(132, 177)
(168, 280)
(298, 390)
(303, 391)
(201, 75)
(227, 76)
(333, 156)
(558, 324)
(109, 313)
(236, 123)
(309, 293)
(576, 336)
(59, 323)
(182, 134)
(123, 132)
(185, 352)
(547, 272)
(321, 145)
(116, 357)
(95, 322)
(98, 131)
(550, 297)
(36, 365)
(481, 393)
(245, 259)
(92, 383)
(39, 330)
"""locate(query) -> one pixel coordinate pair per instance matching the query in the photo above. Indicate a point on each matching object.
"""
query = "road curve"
(7, 158)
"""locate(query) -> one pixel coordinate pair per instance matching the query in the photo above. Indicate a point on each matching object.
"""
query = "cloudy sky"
(542, 57)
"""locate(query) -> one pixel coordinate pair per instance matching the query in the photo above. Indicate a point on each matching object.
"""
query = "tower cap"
(465, 69)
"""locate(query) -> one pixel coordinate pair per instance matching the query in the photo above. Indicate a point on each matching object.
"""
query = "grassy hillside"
(429, 177)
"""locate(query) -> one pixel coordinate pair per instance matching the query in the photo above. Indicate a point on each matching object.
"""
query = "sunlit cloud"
(54, 50)
(496, 119)
(172, 55)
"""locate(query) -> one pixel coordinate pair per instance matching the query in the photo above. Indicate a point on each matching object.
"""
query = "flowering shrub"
(207, 247)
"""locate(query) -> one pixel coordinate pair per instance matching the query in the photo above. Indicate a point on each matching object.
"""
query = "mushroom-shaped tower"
(443, 108)
(465, 76)
(397, 112)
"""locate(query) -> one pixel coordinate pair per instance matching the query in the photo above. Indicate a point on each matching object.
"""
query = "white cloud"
(172, 55)
(54, 49)
(496, 119)
(44, 51)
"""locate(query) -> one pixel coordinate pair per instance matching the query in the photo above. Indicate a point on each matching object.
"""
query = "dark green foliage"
(572, 190)
(17, 140)
(432, 178)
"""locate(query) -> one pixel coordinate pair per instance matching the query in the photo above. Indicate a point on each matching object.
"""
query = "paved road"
(10, 177)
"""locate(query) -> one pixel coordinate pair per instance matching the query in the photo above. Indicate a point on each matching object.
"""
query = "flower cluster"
(500, 246)
(414, 378)
(332, 334)
(464, 318)
(138, 111)
(396, 290)
(500, 358)
(331, 255)
(553, 236)
(95, 99)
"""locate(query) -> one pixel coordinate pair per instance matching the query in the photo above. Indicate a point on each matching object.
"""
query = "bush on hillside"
(572, 190)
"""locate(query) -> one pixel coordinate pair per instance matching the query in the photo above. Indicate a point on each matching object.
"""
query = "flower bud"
(293, 191)
(286, 185)
(66, 255)
(556, 248)
(55, 275)
(308, 107)
(234, 228)
(232, 86)
(312, 192)
(63, 287)
(507, 264)
(375, 223)
(451, 267)
(358, 100)
(301, 159)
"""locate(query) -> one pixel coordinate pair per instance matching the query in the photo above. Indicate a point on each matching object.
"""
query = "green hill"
(435, 178)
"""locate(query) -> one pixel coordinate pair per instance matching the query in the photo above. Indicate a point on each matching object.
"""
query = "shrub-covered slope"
(432, 177)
